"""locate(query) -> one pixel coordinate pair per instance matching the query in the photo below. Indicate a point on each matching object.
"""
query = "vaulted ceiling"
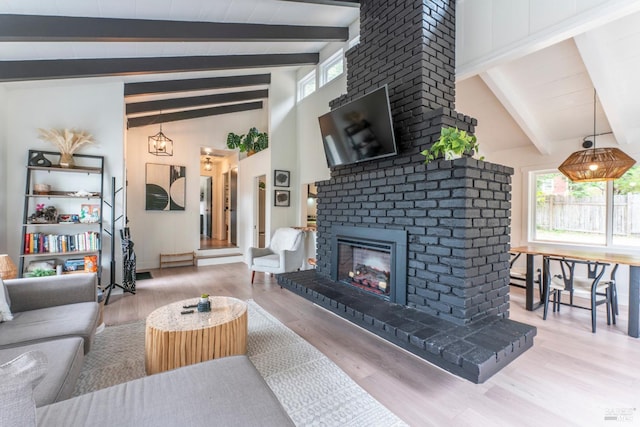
(191, 58)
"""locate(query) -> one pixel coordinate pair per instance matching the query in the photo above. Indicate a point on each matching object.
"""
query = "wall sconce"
(8, 269)
(160, 145)
(596, 164)
(207, 164)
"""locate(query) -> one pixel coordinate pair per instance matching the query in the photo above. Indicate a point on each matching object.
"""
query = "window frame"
(609, 219)
(310, 76)
(335, 58)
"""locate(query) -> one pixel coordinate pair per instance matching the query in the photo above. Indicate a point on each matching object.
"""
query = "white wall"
(4, 248)
(157, 232)
(90, 105)
(492, 31)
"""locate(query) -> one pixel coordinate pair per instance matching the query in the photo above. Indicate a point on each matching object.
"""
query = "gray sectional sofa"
(53, 326)
(56, 315)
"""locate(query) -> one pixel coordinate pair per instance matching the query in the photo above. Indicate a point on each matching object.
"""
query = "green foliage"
(629, 182)
(204, 296)
(252, 141)
(452, 140)
(41, 272)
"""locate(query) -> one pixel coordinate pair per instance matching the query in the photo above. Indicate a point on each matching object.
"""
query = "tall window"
(307, 85)
(332, 67)
(589, 213)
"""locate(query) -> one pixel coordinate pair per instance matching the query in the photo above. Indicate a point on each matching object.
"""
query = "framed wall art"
(166, 187)
(281, 178)
(281, 198)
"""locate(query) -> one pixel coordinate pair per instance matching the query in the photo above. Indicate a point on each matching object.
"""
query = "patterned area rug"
(312, 389)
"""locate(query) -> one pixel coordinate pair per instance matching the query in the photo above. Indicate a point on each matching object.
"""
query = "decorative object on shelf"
(281, 198)
(91, 264)
(204, 304)
(596, 164)
(160, 144)
(281, 178)
(41, 188)
(43, 215)
(89, 214)
(453, 143)
(68, 218)
(165, 187)
(68, 141)
(38, 159)
(250, 143)
(82, 193)
(41, 272)
(8, 269)
(208, 165)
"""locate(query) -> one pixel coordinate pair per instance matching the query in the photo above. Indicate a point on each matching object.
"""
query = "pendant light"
(208, 165)
(596, 164)
(160, 144)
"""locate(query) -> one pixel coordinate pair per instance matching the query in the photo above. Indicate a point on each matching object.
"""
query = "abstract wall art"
(165, 187)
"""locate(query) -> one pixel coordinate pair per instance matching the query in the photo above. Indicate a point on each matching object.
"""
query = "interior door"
(233, 206)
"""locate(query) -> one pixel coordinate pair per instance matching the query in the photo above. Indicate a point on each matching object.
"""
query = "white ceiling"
(544, 99)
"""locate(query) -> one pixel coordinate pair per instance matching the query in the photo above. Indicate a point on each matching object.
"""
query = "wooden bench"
(178, 260)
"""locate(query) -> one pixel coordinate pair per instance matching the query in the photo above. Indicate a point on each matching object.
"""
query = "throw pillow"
(17, 381)
(5, 311)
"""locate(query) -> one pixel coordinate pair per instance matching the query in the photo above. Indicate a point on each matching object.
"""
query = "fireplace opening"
(365, 266)
(371, 259)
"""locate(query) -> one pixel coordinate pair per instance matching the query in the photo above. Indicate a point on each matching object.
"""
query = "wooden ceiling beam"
(78, 68)
(39, 28)
(191, 114)
(194, 101)
(186, 85)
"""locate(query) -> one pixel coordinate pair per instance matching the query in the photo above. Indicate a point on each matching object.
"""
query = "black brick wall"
(456, 213)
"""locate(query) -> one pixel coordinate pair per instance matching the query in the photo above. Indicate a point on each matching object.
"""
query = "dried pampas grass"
(68, 141)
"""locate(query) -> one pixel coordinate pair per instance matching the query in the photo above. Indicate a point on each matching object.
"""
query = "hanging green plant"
(453, 143)
(253, 141)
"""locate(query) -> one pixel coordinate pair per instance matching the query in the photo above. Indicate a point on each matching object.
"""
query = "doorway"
(260, 211)
(216, 198)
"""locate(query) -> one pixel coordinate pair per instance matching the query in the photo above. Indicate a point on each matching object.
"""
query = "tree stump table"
(173, 339)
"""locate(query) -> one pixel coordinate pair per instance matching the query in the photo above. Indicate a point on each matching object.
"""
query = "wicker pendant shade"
(596, 164)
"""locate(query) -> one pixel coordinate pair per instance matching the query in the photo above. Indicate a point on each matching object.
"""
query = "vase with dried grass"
(68, 141)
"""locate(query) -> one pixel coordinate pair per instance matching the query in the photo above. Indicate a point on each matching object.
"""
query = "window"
(307, 85)
(332, 67)
(588, 213)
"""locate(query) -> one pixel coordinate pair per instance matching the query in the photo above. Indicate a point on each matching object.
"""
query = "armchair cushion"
(270, 261)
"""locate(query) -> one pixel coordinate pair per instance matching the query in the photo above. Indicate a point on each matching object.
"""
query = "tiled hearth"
(474, 352)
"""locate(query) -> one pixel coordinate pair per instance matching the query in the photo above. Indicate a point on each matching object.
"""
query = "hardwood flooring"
(570, 377)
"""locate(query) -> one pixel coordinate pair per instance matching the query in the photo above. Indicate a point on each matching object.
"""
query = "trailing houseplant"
(253, 141)
(453, 143)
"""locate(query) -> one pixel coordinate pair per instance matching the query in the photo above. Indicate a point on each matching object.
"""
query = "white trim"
(303, 82)
(336, 58)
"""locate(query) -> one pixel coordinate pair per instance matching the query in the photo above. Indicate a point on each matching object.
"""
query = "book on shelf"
(38, 243)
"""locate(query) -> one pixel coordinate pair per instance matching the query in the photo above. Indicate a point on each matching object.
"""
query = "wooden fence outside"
(559, 213)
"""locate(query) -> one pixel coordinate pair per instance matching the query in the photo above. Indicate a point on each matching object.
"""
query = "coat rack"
(128, 285)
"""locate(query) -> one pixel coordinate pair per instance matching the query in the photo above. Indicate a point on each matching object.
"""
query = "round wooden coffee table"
(173, 339)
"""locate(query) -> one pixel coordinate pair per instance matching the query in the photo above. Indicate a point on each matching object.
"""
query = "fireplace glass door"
(365, 266)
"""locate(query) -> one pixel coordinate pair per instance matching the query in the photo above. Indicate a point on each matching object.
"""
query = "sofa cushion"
(18, 377)
(5, 302)
(44, 324)
(64, 356)
(221, 392)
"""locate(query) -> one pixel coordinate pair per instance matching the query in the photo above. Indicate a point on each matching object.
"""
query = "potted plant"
(453, 143)
(252, 142)
(204, 304)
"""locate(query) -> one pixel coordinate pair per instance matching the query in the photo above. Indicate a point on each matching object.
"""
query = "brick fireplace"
(454, 215)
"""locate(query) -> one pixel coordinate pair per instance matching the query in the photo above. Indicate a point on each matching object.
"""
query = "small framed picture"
(89, 213)
(281, 198)
(281, 178)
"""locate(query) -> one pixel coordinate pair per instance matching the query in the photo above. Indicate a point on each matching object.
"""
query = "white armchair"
(285, 253)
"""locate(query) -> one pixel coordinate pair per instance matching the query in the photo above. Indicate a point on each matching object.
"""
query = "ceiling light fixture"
(208, 165)
(160, 144)
(596, 164)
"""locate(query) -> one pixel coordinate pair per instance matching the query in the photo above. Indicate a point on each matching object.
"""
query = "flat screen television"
(359, 131)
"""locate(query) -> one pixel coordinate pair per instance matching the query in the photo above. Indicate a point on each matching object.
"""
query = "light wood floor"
(570, 377)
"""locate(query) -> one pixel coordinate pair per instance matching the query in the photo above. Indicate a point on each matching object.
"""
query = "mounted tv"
(359, 131)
